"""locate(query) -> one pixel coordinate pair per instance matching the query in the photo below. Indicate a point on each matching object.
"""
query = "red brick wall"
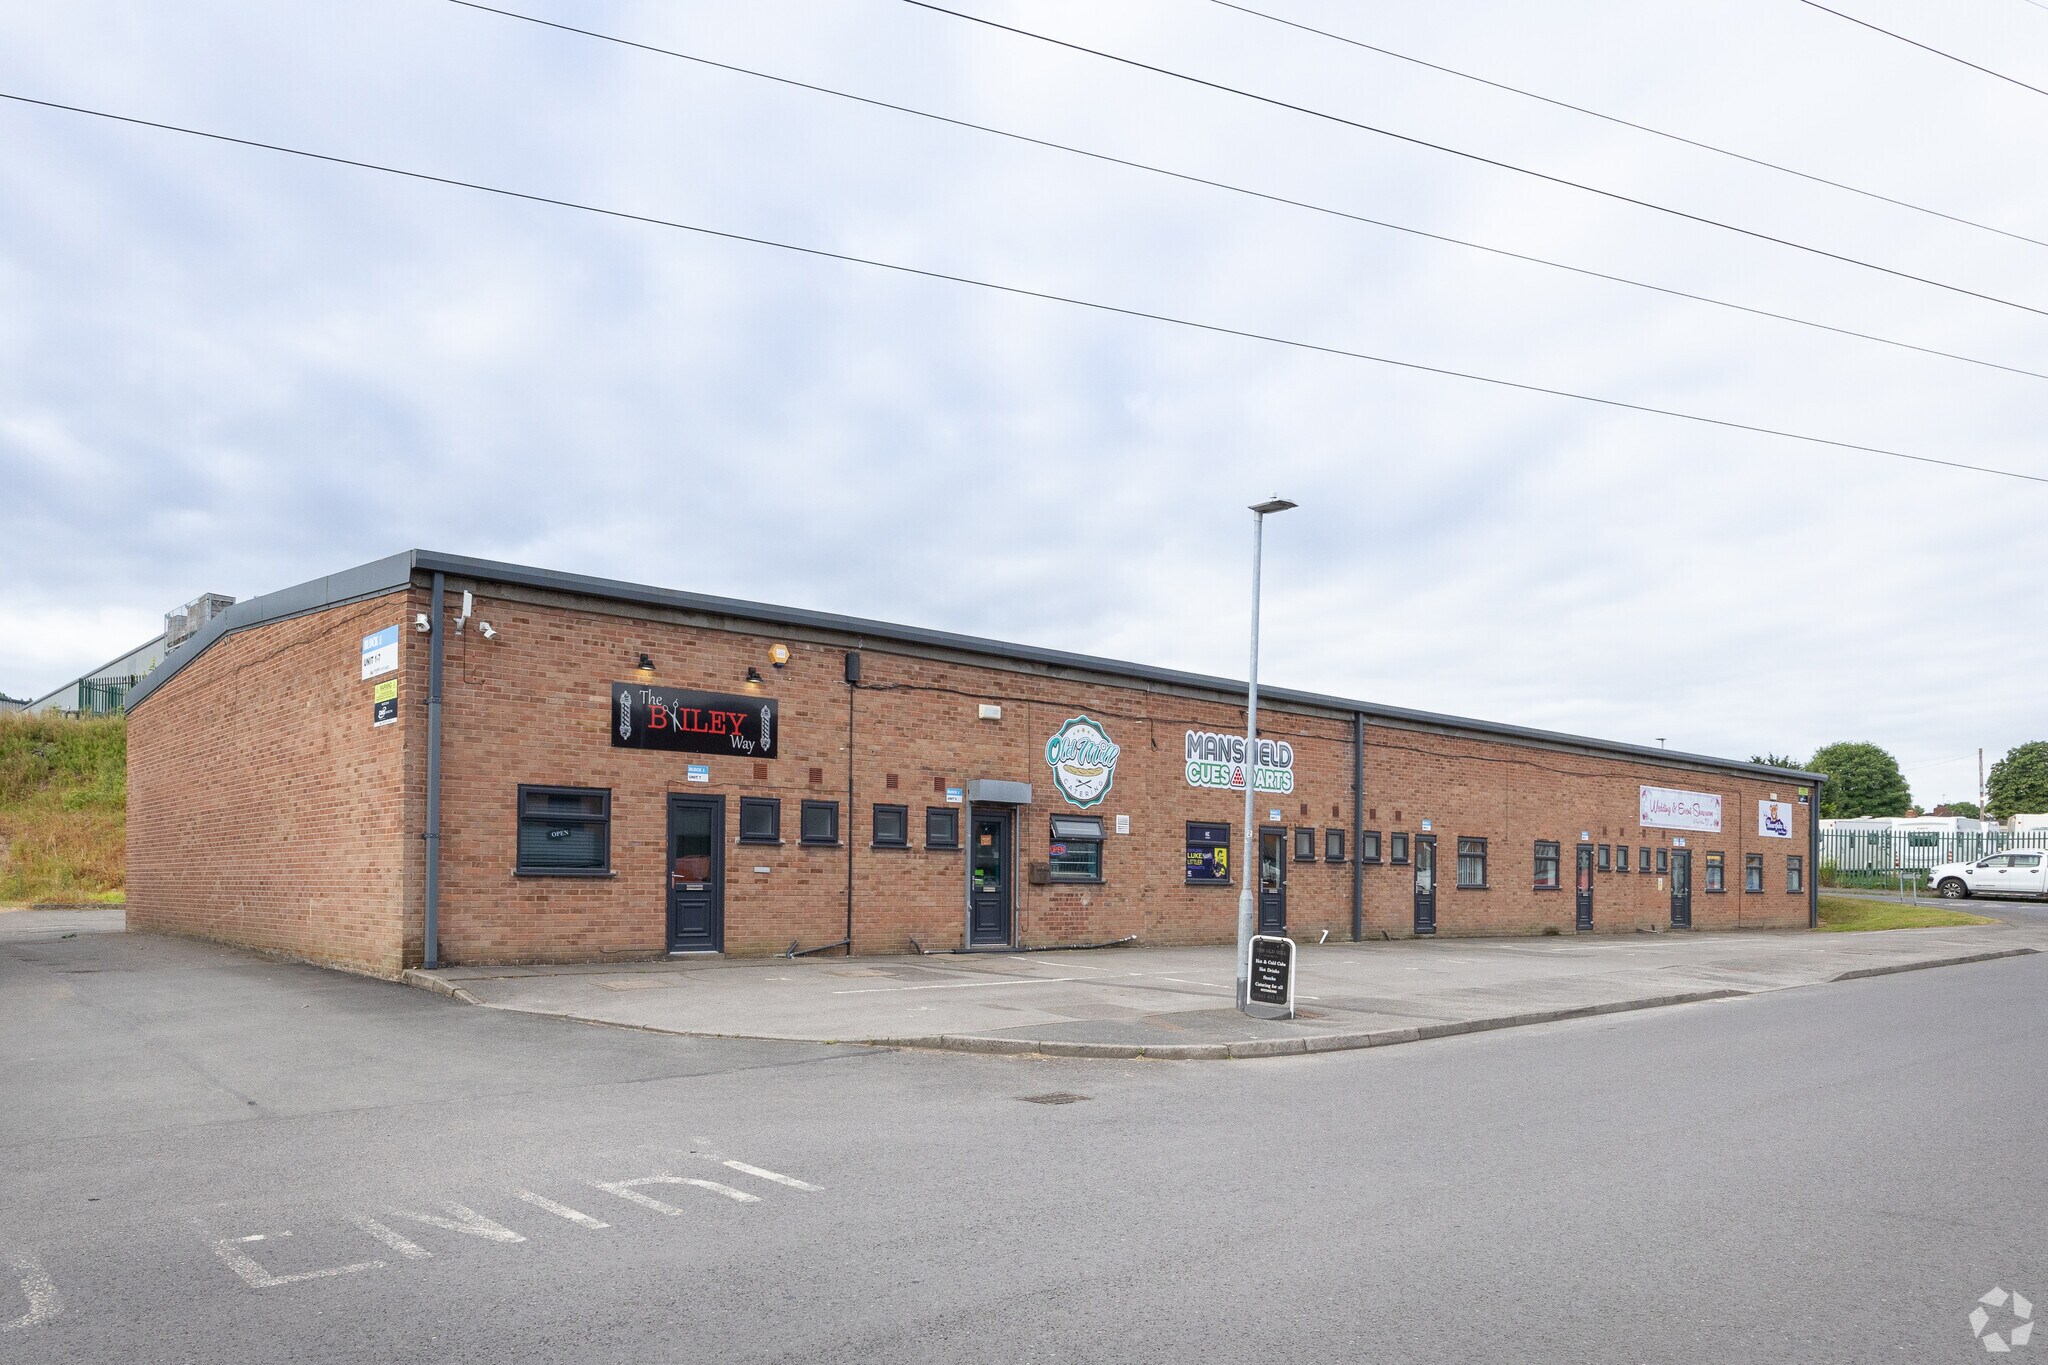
(533, 707)
(264, 809)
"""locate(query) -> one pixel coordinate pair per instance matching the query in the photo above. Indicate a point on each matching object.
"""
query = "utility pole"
(1249, 872)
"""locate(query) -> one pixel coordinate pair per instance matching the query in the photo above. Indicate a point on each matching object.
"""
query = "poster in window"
(1208, 855)
(671, 719)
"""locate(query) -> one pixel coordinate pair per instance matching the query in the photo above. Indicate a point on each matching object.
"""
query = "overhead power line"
(1914, 42)
(1239, 189)
(1414, 141)
(1018, 291)
(1627, 123)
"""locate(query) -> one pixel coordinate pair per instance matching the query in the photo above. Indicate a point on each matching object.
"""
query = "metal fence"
(1857, 857)
(104, 696)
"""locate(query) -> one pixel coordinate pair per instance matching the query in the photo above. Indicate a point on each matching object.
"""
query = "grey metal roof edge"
(397, 571)
(428, 561)
(86, 677)
(350, 585)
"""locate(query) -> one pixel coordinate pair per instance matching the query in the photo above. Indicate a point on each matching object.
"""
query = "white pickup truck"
(1999, 874)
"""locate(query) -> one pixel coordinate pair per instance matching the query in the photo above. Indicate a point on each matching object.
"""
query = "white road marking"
(44, 1302)
(229, 1249)
(630, 1190)
(396, 1240)
(963, 985)
(466, 1220)
(561, 1210)
(775, 1176)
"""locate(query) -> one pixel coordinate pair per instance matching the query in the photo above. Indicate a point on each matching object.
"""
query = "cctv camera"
(420, 623)
(484, 629)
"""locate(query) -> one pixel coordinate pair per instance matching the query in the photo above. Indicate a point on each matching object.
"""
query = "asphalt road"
(208, 1157)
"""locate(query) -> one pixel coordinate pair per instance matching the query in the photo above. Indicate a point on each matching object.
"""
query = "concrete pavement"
(1176, 1003)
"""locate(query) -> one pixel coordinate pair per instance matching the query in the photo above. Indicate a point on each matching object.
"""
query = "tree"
(1967, 809)
(1776, 760)
(1862, 780)
(2018, 782)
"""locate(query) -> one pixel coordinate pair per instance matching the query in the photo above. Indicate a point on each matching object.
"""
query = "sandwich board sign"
(1269, 988)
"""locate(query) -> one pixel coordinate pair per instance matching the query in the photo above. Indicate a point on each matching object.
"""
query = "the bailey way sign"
(1664, 808)
(1218, 761)
(1083, 761)
(692, 722)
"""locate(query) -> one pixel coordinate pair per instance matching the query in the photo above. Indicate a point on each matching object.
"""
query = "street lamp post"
(1247, 900)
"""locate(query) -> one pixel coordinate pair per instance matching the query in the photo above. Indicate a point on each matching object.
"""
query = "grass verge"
(63, 809)
(1853, 915)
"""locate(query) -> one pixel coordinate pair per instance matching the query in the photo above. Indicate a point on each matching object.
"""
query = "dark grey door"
(1425, 884)
(696, 874)
(988, 920)
(1585, 888)
(1272, 881)
(1681, 888)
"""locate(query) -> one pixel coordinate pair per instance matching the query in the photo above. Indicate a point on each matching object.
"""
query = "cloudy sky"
(225, 369)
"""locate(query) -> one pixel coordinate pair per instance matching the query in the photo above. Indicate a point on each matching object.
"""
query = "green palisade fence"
(1880, 858)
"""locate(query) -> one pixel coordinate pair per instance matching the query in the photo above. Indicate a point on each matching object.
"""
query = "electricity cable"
(1914, 42)
(1627, 123)
(1018, 291)
(1240, 189)
(1480, 158)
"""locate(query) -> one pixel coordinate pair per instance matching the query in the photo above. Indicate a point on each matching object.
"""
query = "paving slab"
(1176, 1003)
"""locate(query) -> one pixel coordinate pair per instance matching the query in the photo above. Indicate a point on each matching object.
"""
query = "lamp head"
(1273, 504)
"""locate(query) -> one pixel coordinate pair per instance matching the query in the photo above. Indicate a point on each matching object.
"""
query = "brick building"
(615, 771)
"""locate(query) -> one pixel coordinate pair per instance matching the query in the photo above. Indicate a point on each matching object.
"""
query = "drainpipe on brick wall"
(1813, 860)
(430, 946)
(1357, 825)
(846, 829)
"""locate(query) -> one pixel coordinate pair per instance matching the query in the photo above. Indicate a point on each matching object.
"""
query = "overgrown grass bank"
(1852, 914)
(63, 809)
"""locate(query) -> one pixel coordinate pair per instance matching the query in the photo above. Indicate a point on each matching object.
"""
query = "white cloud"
(226, 370)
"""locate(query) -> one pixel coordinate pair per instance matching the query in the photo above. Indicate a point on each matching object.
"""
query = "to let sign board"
(1269, 989)
(668, 718)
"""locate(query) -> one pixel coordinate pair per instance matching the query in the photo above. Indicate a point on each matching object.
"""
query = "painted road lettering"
(235, 1252)
(38, 1291)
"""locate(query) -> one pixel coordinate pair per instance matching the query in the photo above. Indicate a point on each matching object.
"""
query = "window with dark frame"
(1208, 854)
(891, 827)
(1547, 853)
(1369, 846)
(1333, 845)
(820, 822)
(1643, 858)
(941, 827)
(760, 820)
(1472, 864)
(564, 832)
(1663, 861)
(1397, 848)
(1717, 873)
(1621, 857)
(1304, 843)
(1795, 872)
(1075, 853)
(1752, 873)
(1606, 860)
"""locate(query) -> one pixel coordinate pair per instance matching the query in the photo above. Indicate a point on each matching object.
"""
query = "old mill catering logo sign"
(1218, 761)
(1774, 819)
(1083, 761)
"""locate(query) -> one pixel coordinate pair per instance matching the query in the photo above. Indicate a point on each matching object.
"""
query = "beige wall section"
(265, 809)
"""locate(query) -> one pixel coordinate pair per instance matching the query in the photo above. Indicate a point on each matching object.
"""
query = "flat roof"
(399, 571)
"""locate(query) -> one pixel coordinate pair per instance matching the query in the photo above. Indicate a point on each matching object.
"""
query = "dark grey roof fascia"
(490, 571)
(349, 586)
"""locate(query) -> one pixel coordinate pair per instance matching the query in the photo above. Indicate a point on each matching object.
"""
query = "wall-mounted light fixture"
(778, 654)
(485, 629)
(646, 667)
(753, 674)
